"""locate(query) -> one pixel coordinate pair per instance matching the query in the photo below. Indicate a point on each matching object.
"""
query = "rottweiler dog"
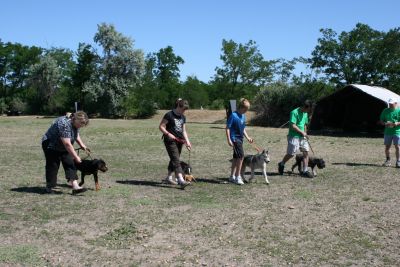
(312, 162)
(89, 167)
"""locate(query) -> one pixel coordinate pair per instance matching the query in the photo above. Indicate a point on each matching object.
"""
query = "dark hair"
(181, 103)
(308, 104)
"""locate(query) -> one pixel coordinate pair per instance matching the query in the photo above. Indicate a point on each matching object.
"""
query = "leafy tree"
(195, 91)
(85, 68)
(362, 55)
(167, 74)
(244, 70)
(45, 78)
(15, 62)
(121, 68)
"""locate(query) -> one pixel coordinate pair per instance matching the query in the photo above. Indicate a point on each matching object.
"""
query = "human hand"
(188, 145)
(251, 140)
(230, 143)
(389, 124)
(78, 160)
(85, 148)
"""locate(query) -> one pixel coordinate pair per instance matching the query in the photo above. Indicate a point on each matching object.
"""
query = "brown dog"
(187, 172)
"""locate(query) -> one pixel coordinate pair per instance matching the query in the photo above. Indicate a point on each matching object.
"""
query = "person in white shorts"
(297, 138)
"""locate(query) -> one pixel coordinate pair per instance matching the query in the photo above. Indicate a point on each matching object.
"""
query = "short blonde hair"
(244, 103)
(81, 117)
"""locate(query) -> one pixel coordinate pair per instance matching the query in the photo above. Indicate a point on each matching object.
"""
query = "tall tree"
(167, 75)
(363, 55)
(84, 69)
(44, 78)
(15, 62)
(195, 91)
(121, 67)
(243, 70)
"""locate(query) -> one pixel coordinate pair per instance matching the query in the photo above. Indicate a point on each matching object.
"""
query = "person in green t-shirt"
(297, 137)
(390, 118)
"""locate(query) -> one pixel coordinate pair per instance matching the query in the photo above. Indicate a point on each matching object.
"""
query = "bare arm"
(228, 136)
(163, 129)
(80, 142)
(247, 136)
(185, 135)
(70, 148)
(297, 129)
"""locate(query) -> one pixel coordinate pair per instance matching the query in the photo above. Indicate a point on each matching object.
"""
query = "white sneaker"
(232, 179)
(387, 163)
(239, 180)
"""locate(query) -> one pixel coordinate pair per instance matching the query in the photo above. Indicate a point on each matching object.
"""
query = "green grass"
(20, 254)
(347, 215)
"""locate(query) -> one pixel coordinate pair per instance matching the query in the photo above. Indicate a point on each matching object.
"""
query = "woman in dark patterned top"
(57, 144)
(173, 127)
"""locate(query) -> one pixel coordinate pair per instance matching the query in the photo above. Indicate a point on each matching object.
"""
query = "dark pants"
(238, 152)
(174, 150)
(53, 159)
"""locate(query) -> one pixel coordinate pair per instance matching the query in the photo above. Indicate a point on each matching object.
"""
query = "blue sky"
(195, 29)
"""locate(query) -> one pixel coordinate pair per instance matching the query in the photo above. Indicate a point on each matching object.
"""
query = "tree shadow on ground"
(149, 183)
(355, 164)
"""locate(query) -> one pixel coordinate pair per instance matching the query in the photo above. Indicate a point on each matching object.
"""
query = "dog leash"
(87, 153)
(309, 144)
(256, 147)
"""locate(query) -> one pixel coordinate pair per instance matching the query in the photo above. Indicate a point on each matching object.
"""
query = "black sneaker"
(307, 174)
(281, 168)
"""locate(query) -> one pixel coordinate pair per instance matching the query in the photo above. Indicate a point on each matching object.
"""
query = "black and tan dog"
(312, 162)
(89, 167)
(187, 172)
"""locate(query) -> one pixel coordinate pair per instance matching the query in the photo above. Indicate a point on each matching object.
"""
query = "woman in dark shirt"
(173, 127)
(57, 144)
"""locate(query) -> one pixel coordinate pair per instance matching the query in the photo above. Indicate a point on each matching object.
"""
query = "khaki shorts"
(297, 143)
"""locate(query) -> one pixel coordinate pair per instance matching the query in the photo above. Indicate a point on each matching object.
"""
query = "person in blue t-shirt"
(235, 130)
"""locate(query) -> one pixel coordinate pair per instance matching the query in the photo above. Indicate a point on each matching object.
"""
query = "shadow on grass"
(354, 164)
(149, 183)
(33, 190)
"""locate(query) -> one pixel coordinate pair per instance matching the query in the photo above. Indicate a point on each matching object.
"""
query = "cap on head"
(391, 101)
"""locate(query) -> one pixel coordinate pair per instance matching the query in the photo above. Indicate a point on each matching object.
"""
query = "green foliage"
(3, 106)
(243, 71)
(274, 103)
(84, 69)
(17, 105)
(363, 55)
(121, 67)
(44, 78)
(195, 91)
(217, 104)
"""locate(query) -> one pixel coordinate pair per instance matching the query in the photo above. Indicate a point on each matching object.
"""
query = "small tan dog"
(187, 172)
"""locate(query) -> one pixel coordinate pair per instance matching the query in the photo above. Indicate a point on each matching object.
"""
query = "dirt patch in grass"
(346, 216)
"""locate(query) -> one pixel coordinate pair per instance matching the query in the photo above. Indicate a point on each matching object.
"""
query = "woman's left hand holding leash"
(188, 145)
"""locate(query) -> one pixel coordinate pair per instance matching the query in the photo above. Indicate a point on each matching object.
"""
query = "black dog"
(312, 162)
(89, 167)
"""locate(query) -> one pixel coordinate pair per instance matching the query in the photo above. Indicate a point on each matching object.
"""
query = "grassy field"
(347, 216)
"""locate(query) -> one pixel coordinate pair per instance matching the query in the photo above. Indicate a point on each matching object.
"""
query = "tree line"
(111, 78)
